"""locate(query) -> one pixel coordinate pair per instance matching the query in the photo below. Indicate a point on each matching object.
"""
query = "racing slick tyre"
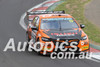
(28, 39)
(38, 46)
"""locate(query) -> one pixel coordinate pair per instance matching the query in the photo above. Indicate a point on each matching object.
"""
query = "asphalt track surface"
(10, 13)
(92, 12)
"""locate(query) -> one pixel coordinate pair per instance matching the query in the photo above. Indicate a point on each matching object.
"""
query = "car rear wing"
(30, 15)
(45, 12)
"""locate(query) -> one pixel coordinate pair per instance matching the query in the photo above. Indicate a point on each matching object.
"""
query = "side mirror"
(34, 28)
(82, 25)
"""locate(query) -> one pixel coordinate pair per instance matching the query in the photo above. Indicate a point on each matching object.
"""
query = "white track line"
(38, 5)
(96, 57)
(92, 59)
(22, 22)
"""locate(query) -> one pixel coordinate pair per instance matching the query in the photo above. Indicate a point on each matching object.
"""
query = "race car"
(48, 26)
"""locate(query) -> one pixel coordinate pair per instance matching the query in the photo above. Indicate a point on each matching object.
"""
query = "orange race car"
(48, 26)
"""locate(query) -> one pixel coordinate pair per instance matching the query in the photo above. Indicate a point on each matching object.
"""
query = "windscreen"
(58, 23)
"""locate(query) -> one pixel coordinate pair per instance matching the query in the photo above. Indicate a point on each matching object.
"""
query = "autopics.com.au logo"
(56, 51)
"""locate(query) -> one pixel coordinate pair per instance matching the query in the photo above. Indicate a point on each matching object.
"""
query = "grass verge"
(76, 9)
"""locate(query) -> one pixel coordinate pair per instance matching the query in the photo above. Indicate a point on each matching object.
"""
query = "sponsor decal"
(86, 47)
(64, 34)
(70, 19)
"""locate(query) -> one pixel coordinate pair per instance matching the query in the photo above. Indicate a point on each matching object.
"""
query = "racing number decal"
(71, 21)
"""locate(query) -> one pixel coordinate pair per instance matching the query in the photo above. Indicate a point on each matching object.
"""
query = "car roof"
(54, 16)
